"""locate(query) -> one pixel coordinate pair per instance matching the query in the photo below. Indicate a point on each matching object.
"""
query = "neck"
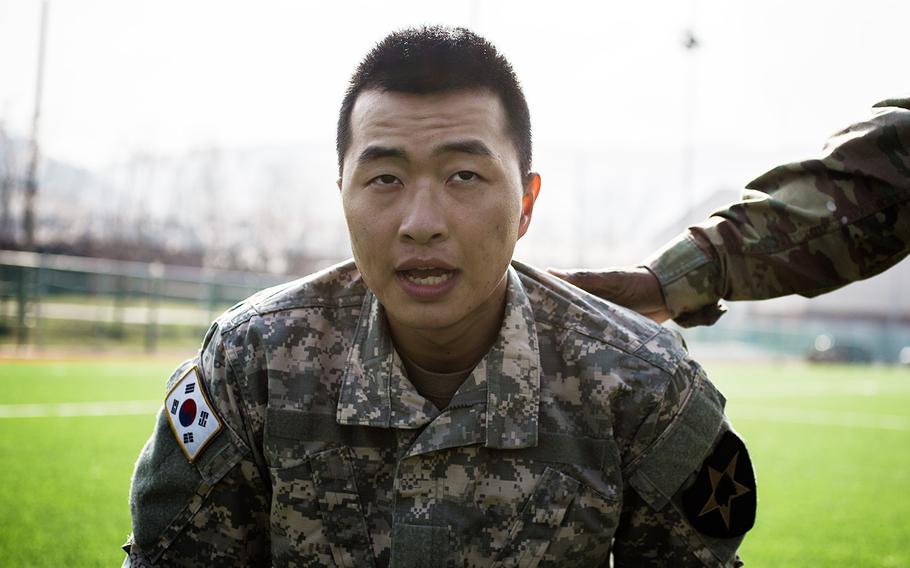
(456, 347)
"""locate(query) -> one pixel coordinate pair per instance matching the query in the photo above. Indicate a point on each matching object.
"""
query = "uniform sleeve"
(802, 228)
(214, 510)
(690, 490)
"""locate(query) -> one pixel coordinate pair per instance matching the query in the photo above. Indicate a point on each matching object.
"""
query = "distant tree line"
(74, 217)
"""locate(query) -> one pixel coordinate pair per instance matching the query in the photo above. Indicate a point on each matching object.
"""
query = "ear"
(338, 183)
(531, 191)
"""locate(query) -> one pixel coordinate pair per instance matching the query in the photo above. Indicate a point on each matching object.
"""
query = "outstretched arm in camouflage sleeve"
(198, 497)
(690, 493)
(803, 228)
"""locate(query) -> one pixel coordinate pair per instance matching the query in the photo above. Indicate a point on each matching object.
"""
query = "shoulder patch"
(722, 501)
(192, 418)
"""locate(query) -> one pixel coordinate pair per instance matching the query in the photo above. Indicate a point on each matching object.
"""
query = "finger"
(580, 278)
(608, 283)
(564, 274)
(659, 316)
(626, 287)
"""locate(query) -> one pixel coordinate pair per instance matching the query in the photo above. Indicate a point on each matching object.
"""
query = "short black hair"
(434, 59)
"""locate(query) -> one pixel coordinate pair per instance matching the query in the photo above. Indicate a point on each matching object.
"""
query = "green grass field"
(831, 446)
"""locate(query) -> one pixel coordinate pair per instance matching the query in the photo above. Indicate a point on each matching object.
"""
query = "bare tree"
(210, 186)
(140, 182)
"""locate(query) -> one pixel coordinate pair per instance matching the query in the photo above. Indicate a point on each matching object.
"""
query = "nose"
(424, 219)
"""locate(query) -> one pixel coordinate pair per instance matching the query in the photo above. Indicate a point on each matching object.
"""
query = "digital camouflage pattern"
(574, 437)
(803, 228)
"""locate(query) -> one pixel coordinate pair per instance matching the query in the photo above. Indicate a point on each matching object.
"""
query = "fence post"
(214, 293)
(156, 272)
(21, 306)
(40, 296)
(118, 329)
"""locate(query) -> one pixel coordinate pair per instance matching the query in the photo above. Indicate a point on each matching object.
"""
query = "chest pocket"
(315, 502)
(539, 520)
(569, 518)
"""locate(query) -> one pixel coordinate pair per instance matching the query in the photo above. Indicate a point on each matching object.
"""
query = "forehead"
(416, 120)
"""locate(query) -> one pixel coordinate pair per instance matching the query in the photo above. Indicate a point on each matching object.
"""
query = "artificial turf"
(831, 448)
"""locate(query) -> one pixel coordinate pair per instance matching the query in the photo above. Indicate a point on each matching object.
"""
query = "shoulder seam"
(310, 304)
(238, 319)
(251, 310)
(628, 350)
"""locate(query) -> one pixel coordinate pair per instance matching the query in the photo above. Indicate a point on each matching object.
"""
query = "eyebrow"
(474, 147)
(371, 153)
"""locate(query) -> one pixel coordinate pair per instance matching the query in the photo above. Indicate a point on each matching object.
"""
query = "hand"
(630, 286)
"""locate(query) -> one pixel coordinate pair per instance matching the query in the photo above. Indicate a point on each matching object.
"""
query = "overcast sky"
(771, 79)
(166, 75)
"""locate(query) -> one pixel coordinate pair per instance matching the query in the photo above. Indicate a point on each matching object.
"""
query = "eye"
(465, 175)
(385, 179)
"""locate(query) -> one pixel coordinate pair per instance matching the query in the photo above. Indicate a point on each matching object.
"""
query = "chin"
(423, 317)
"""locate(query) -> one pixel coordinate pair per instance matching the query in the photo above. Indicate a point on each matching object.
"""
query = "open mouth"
(427, 276)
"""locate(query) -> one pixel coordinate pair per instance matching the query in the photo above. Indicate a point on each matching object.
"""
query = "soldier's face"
(434, 203)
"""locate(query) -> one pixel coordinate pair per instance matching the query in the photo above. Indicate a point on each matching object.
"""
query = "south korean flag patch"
(191, 416)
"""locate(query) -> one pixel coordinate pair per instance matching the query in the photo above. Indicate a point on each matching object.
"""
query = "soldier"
(803, 228)
(434, 403)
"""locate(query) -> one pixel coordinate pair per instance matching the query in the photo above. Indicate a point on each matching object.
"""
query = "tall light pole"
(690, 43)
(31, 179)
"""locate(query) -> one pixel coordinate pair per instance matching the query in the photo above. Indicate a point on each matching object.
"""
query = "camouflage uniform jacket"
(803, 228)
(573, 437)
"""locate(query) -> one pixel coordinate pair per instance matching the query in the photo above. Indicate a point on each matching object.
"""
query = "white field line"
(76, 409)
(822, 417)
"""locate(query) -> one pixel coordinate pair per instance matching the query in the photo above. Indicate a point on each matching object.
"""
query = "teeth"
(428, 280)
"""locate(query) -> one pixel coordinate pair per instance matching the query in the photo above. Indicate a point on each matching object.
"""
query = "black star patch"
(721, 502)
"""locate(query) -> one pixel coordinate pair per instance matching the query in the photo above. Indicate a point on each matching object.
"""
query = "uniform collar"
(497, 405)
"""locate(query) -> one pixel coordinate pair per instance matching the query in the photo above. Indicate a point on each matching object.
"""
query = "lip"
(430, 291)
(423, 262)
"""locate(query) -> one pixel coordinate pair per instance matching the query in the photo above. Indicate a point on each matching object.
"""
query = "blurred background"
(196, 141)
(160, 161)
